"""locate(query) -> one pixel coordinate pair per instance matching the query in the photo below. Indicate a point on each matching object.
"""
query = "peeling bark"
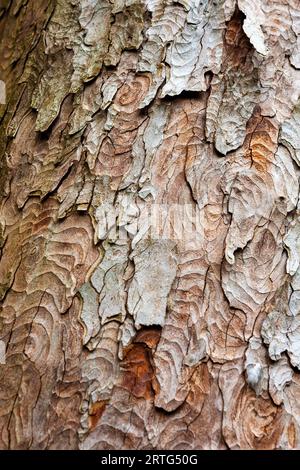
(149, 224)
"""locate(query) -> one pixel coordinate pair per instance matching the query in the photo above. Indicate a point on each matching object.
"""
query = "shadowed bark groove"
(150, 224)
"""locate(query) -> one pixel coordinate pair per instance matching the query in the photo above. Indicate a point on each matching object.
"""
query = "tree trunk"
(149, 224)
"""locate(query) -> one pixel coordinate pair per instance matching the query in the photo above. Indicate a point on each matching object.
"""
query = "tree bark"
(149, 224)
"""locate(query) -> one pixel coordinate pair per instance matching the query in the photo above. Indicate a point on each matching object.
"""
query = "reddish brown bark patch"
(292, 435)
(96, 412)
(137, 367)
(261, 141)
(237, 44)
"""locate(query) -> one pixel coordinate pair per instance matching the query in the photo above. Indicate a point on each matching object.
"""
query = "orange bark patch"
(148, 336)
(96, 412)
(137, 366)
(261, 142)
(237, 44)
(292, 435)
